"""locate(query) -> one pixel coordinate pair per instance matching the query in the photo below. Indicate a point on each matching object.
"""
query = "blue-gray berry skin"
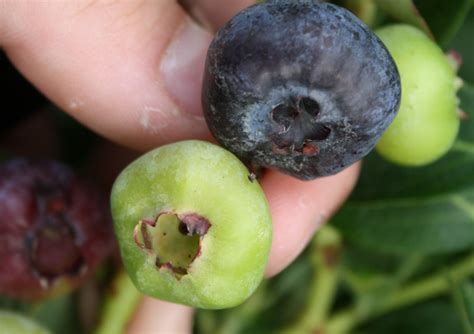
(299, 86)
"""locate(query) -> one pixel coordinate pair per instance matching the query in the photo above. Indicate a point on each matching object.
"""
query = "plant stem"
(120, 304)
(382, 282)
(326, 250)
(458, 301)
(241, 316)
(415, 292)
(432, 286)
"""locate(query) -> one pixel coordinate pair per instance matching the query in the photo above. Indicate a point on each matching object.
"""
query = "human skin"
(131, 71)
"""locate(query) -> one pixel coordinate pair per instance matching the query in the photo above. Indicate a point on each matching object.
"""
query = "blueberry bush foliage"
(398, 257)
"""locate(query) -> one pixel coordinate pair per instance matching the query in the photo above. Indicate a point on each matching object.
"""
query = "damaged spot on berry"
(195, 224)
(284, 116)
(53, 251)
(320, 132)
(183, 228)
(297, 128)
(53, 232)
(310, 149)
(309, 105)
(171, 238)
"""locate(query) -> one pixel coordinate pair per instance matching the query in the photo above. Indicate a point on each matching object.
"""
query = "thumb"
(129, 70)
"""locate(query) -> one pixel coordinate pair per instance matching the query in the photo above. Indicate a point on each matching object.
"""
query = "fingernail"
(182, 66)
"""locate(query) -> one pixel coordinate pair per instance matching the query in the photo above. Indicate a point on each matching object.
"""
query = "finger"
(156, 316)
(299, 208)
(129, 70)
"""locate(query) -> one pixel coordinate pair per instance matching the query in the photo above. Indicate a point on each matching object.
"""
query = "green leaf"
(463, 298)
(17, 323)
(404, 11)
(364, 271)
(468, 296)
(59, 315)
(428, 210)
(444, 17)
(462, 43)
(436, 317)
(437, 18)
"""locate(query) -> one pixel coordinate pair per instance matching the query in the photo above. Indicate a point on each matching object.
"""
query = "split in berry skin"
(55, 229)
(303, 87)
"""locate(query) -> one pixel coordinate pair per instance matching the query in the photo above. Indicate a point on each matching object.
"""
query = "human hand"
(132, 71)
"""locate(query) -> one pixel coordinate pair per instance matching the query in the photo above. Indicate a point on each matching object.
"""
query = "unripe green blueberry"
(15, 323)
(427, 122)
(192, 227)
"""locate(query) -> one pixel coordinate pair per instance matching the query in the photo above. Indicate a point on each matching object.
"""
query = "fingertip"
(157, 316)
(299, 208)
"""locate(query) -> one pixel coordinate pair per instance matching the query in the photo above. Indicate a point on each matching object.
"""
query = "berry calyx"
(55, 229)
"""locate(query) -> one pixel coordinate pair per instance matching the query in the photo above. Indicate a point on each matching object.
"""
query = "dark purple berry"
(55, 229)
(300, 86)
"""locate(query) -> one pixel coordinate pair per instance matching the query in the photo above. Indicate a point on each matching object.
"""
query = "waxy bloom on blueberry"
(300, 86)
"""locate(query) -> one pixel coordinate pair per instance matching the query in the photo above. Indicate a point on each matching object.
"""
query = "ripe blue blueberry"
(303, 87)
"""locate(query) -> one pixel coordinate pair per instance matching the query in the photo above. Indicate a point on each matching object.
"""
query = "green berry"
(192, 227)
(427, 122)
(15, 323)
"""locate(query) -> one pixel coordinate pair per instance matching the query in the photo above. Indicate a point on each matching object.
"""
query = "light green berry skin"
(427, 123)
(199, 177)
(14, 323)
